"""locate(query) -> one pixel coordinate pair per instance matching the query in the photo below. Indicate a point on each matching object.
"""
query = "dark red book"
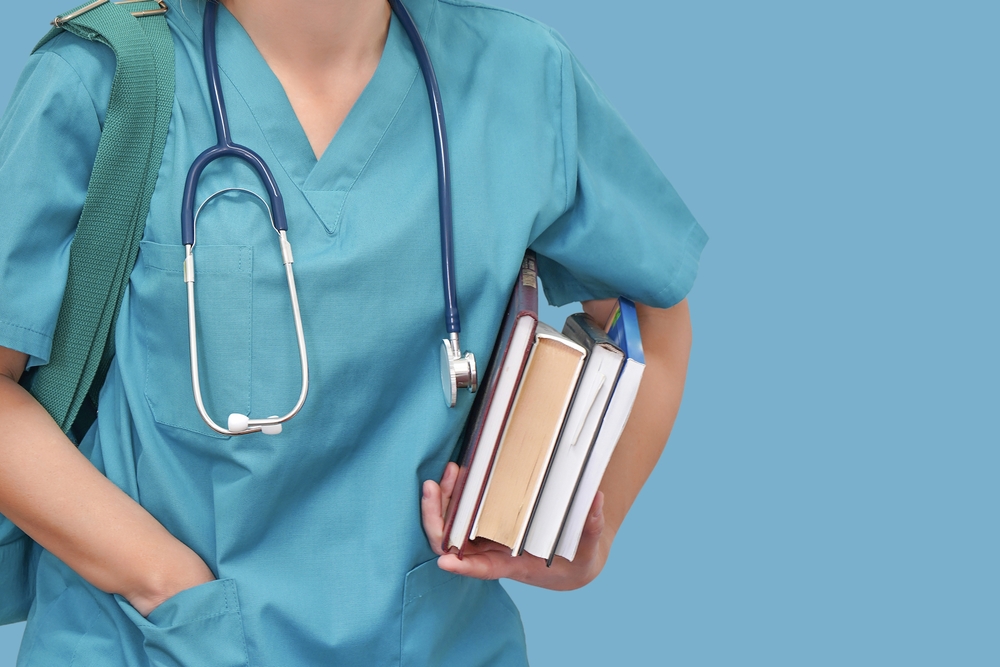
(478, 444)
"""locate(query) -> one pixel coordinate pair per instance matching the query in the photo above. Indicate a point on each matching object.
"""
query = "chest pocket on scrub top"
(223, 297)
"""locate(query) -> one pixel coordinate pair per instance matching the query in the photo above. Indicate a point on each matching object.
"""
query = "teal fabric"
(315, 534)
(17, 575)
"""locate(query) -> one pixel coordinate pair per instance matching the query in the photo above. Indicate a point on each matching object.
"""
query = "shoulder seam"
(562, 125)
(79, 78)
(499, 10)
(559, 46)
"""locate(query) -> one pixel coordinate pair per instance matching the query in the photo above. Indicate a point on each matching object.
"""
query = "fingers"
(486, 559)
(433, 517)
(487, 565)
(434, 505)
(592, 530)
(481, 545)
(477, 566)
(448, 485)
(596, 518)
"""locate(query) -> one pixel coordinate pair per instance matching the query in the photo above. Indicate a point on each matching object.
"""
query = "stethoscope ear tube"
(452, 319)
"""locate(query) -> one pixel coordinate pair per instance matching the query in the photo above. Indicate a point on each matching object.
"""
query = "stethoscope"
(458, 371)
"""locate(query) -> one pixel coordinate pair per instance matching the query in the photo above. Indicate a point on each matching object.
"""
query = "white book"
(604, 363)
(520, 345)
(492, 403)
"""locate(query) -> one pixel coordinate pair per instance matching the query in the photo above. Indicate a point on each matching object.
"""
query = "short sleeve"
(48, 142)
(625, 231)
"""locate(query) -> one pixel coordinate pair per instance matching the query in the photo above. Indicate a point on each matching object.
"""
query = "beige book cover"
(529, 438)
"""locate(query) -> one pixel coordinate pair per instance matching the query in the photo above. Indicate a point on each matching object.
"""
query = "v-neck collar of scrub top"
(362, 130)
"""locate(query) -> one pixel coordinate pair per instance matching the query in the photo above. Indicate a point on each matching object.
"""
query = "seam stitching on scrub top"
(241, 252)
(18, 326)
(256, 119)
(227, 586)
(562, 127)
(206, 617)
(238, 270)
(158, 413)
(431, 589)
(141, 332)
(250, 311)
(361, 171)
(336, 227)
(230, 587)
(378, 144)
(553, 35)
(501, 10)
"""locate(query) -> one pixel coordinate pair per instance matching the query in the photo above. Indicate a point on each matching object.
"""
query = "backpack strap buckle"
(61, 21)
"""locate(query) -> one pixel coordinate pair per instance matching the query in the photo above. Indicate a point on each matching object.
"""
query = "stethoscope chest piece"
(457, 371)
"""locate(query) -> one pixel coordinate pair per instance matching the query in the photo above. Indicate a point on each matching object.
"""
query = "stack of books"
(543, 426)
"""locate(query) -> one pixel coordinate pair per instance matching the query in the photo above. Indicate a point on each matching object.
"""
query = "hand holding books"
(484, 559)
(536, 446)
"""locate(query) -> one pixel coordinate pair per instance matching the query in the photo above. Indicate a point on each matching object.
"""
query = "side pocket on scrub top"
(453, 620)
(200, 626)
(223, 305)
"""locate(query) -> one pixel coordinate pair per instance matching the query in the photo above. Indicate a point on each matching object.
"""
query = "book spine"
(623, 329)
(524, 299)
(523, 303)
(493, 454)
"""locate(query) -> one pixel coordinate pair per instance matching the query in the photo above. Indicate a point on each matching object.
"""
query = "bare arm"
(55, 495)
(666, 338)
(666, 342)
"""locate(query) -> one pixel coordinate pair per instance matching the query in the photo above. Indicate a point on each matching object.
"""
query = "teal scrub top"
(315, 534)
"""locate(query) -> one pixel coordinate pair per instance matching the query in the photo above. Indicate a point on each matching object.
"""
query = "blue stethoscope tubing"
(457, 371)
(451, 317)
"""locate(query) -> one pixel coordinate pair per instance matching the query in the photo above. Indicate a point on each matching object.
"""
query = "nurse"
(166, 543)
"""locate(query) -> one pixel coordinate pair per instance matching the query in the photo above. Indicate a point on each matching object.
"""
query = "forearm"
(55, 495)
(666, 338)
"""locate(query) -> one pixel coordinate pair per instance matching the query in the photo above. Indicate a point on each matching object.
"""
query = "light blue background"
(831, 490)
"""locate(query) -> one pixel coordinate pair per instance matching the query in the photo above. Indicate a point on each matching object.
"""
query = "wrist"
(160, 582)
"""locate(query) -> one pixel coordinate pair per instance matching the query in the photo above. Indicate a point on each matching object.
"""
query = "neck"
(315, 34)
(323, 52)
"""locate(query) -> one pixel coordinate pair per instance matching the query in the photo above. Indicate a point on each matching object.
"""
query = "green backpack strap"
(106, 244)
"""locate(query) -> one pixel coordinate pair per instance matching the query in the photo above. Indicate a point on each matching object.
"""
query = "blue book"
(623, 330)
